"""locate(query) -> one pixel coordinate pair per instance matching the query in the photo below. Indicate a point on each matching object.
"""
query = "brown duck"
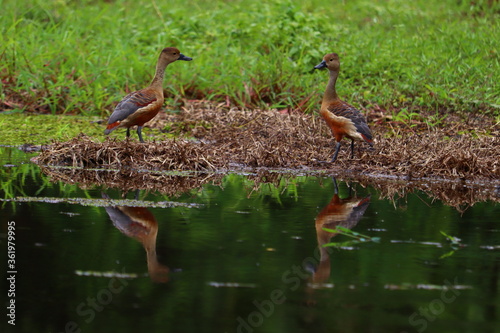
(139, 223)
(342, 118)
(344, 212)
(139, 107)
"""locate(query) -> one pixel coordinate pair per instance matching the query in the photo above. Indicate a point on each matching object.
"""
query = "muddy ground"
(211, 140)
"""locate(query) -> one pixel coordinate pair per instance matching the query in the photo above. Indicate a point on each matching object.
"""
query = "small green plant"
(435, 120)
(455, 241)
(406, 117)
(357, 238)
(455, 244)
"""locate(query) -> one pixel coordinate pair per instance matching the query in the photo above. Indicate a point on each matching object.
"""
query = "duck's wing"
(345, 110)
(131, 103)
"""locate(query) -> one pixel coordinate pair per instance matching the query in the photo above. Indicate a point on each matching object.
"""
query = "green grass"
(82, 57)
(20, 128)
(42, 129)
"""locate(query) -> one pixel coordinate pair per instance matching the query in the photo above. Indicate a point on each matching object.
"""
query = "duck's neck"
(157, 82)
(330, 92)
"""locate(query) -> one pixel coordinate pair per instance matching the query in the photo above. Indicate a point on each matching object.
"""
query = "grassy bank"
(73, 58)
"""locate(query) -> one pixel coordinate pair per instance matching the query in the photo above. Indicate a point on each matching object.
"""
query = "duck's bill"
(183, 57)
(321, 65)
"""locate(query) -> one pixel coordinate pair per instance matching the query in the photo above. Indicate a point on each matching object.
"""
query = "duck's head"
(172, 54)
(330, 61)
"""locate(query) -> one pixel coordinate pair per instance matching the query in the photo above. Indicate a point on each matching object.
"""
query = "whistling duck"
(141, 106)
(344, 212)
(139, 223)
(342, 118)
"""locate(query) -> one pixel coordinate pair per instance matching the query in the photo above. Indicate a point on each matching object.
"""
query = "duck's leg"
(352, 148)
(139, 133)
(334, 158)
(336, 186)
(128, 132)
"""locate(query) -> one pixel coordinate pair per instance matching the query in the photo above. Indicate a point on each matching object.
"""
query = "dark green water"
(236, 257)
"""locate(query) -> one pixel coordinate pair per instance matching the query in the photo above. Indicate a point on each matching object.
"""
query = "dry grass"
(131, 180)
(211, 139)
(450, 193)
(214, 140)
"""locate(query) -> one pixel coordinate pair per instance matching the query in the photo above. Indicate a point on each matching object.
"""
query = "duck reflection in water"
(339, 212)
(139, 223)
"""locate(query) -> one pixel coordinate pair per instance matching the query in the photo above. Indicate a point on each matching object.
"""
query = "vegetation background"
(402, 57)
(83, 56)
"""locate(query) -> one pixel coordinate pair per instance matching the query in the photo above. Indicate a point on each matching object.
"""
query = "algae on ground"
(22, 128)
